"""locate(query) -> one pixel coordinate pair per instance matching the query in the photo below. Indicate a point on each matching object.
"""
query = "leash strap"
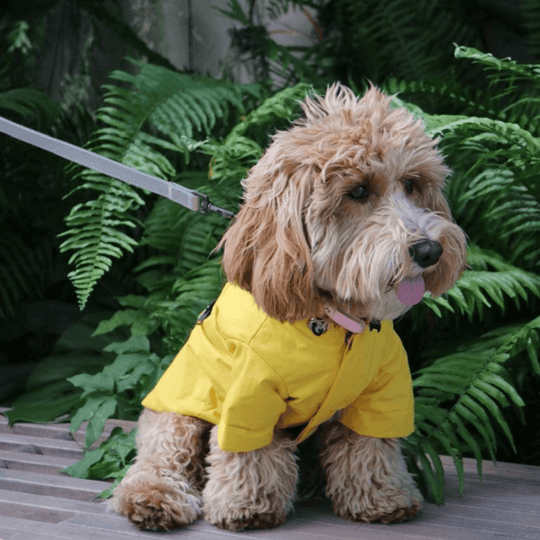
(198, 202)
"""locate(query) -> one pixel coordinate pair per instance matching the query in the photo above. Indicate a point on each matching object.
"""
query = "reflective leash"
(198, 202)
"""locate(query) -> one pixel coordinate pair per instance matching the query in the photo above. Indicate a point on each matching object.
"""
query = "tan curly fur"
(163, 488)
(329, 218)
(366, 478)
(300, 241)
(248, 490)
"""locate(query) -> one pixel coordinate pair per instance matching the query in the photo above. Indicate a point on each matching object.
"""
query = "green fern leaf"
(468, 438)
(30, 103)
(476, 289)
(501, 69)
(451, 450)
(474, 382)
(162, 112)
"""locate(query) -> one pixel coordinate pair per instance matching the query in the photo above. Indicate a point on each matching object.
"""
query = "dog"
(342, 228)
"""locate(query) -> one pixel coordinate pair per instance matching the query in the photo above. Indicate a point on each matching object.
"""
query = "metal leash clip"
(205, 207)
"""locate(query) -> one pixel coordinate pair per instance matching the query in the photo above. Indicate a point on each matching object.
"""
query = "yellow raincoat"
(249, 373)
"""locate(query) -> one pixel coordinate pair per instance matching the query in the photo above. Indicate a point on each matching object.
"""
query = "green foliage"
(30, 104)
(481, 287)
(158, 116)
(182, 276)
(458, 402)
(496, 186)
(117, 390)
(49, 394)
(111, 460)
(355, 41)
(397, 31)
(262, 56)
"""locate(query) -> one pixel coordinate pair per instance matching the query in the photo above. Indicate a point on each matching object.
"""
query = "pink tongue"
(411, 291)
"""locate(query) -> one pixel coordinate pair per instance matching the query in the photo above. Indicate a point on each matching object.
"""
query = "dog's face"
(345, 210)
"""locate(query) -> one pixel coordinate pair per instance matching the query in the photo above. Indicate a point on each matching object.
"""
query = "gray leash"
(198, 202)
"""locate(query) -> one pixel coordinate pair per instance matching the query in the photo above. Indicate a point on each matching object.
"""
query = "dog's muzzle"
(424, 254)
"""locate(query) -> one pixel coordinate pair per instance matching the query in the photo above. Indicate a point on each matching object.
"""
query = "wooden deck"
(39, 503)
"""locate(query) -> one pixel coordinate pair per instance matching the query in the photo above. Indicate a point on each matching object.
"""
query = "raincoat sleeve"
(253, 404)
(386, 407)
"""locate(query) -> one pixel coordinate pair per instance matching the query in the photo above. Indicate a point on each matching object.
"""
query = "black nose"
(426, 252)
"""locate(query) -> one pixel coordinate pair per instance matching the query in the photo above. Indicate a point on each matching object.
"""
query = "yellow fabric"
(249, 373)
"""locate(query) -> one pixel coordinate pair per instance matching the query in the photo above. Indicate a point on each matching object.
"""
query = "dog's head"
(345, 210)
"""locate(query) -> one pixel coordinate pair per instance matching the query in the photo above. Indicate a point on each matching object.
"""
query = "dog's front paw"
(243, 519)
(228, 507)
(250, 490)
(390, 506)
(156, 503)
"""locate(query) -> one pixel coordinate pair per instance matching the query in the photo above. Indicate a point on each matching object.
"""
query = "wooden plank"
(40, 445)
(310, 521)
(500, 470)
(38, 503)
(49, 431)
(433, 523)
(45, 484)
(61, 430)
(30, 501)
(22, 461)
(88, 529)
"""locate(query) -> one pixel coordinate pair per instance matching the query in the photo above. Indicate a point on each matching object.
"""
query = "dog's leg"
(250, 490)
(367, 479)
(163, 488)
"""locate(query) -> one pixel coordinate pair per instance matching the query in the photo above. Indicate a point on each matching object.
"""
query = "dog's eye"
(360, 193)
(409, 186)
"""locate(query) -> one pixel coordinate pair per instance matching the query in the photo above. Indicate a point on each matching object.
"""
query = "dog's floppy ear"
(266, 251)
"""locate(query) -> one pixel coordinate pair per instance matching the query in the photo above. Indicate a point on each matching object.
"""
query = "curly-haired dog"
(343, 227)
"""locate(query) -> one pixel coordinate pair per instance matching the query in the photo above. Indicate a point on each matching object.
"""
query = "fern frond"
(494, 131)
(281, 105)
(477, 289)
(183, 275)
(526, 338)
(475, 381)
(513, 202)
(514, 89)
(513, 95)
(496, 185)
(161, 113)
(500, 69)
(232, 159)
(448, 95)
(28, 102)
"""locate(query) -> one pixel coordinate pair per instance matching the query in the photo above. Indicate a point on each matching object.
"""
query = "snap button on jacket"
(249, 374)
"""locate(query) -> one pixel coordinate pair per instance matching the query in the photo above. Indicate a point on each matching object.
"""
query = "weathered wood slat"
(85, 527)
(527, 473)
(31, 501)
(39, 503)
(20, 529)
(40, 445)
(47, 484)
(22, 461)
(60, 431)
